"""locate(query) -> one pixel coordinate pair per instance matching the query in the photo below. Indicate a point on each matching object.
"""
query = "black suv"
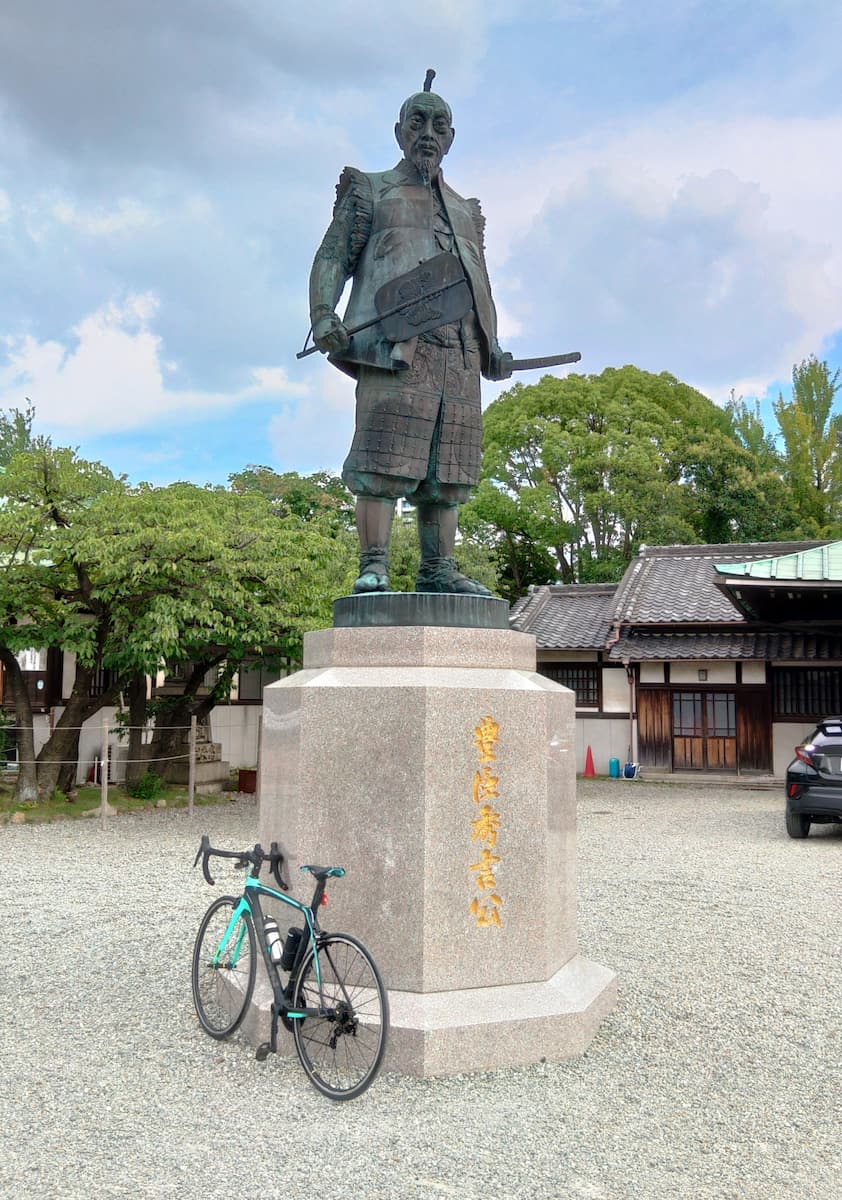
(814, 779)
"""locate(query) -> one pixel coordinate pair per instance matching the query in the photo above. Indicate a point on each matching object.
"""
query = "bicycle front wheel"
(341, 1051)
(223, 975)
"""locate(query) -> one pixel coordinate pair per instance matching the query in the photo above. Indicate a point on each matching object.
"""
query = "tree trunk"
(137, 720)
(26, 789)
(59, 759)
(169, 741)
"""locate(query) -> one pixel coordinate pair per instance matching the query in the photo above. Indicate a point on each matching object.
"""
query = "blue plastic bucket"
(614, 768)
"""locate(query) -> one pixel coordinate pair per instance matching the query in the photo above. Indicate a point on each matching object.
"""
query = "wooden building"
(709, 659)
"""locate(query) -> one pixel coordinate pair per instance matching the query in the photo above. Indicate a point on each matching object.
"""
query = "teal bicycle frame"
(251, 904)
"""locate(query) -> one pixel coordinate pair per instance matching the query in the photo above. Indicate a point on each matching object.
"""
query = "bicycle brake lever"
(204, 854)
(275, 849)
(203, 845)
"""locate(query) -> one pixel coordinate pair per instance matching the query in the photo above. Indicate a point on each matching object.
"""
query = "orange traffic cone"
(590, 773)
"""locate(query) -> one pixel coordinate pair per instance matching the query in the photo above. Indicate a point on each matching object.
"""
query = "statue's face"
(424, 132)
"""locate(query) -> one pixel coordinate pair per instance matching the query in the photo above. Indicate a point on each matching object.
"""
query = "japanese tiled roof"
(668, 606)
(676, 584)
(566, 617)
(663, 646)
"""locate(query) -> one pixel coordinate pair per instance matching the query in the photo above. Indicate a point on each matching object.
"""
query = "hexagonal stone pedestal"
(437, 767)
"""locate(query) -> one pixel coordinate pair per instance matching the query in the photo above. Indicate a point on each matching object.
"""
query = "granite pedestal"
(437, 767)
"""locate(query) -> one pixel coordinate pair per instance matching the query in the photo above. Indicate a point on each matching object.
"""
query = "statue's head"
(424, 131)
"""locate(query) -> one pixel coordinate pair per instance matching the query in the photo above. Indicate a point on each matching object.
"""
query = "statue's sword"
(533, 364)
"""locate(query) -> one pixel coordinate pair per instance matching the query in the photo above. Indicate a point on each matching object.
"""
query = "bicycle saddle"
(323, 873)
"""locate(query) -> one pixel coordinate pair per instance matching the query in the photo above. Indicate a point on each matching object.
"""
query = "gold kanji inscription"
(484, 870)
(485, 826)
(485, 785)
(487, 914)
(485, 739)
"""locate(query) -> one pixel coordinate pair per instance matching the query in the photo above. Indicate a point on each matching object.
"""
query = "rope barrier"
(120, 729)
(72, 762)
(117, 729)
(100, 768)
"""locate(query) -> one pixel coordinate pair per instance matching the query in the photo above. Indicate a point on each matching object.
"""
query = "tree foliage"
(577, 472)
(321, 497)
(811, 434)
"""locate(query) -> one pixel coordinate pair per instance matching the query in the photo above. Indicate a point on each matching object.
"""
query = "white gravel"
(718, 1075)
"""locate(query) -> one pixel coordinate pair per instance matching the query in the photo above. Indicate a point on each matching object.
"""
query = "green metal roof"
(819, 564)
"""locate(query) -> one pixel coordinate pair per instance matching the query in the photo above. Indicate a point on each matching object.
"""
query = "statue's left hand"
(500, 366)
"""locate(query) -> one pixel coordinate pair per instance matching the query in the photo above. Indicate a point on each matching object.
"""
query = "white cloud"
(5, 206)
(698, 283)
(707, 247)
(112, 376)
(128, 216)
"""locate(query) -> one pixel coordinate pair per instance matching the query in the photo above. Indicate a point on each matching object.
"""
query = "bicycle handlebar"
(257, 857)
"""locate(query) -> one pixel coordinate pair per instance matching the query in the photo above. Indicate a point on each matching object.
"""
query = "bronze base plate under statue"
(441, 609)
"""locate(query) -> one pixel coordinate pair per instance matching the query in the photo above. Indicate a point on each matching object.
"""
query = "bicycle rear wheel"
(343, 1050)
(223, 982)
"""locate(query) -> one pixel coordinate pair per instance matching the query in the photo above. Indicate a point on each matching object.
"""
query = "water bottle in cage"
(273, 939)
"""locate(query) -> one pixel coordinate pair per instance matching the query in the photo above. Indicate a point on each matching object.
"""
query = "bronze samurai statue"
(418, 417)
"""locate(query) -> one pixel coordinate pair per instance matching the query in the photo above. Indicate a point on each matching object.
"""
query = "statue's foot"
(441, 575)
(374, 571)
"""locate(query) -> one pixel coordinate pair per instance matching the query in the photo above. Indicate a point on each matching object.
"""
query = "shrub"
(148, 786)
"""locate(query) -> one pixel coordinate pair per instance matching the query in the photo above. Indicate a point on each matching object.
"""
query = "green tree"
(319, 502)
(46, 598)
(320, 497)
(200, 579)
(131, 580)
(811, 435)
(577, 472)
(15, 432)
(750, 432)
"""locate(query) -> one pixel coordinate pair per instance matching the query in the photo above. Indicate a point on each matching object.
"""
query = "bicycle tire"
(341, 1056)
(222, 991)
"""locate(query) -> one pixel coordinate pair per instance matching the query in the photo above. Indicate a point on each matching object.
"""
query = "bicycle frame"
(250, 902)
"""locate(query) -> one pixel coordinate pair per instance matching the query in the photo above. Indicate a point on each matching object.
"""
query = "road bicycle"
(333, 1002)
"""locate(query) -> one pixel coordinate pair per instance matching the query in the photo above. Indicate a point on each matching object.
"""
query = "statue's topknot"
(428, 79)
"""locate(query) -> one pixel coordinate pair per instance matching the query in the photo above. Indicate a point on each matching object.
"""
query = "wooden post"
(103, 774)
(259, 745)
(191, 770)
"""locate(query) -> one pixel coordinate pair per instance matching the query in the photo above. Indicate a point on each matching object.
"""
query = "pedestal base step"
(480, 1029)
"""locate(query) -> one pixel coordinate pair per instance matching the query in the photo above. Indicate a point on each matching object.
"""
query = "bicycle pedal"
(262, 1052)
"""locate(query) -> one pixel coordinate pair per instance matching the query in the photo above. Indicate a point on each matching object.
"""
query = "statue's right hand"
(330, 334)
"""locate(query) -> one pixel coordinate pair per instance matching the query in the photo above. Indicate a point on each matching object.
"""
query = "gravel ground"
(719, 1074)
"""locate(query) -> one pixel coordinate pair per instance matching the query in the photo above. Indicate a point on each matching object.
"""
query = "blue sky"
(662, 185)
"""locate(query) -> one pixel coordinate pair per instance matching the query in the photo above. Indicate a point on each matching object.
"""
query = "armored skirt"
(419, 431)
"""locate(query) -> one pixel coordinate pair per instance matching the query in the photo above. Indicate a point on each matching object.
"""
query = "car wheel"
(797, 824)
